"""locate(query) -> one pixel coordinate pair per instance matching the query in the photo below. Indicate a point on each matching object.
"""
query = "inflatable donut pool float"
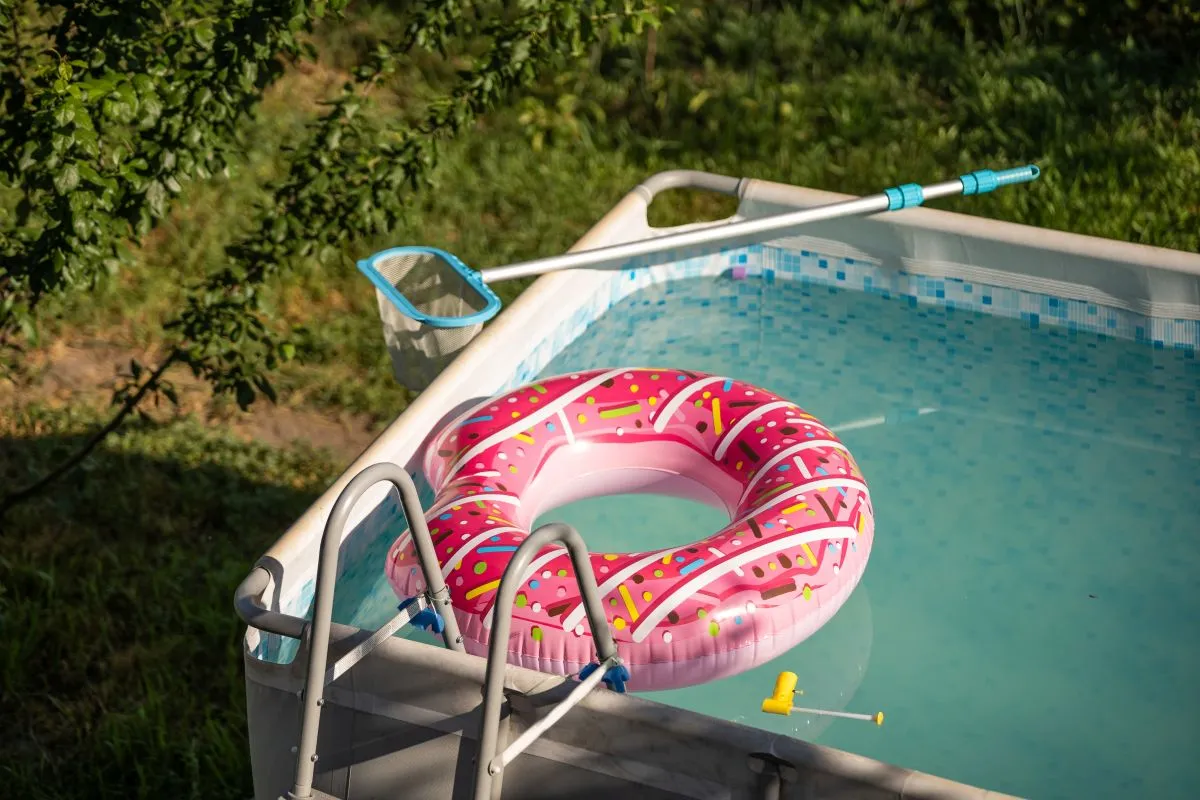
(800, 531)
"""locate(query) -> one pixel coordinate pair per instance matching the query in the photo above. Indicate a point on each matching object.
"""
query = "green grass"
(119, 669)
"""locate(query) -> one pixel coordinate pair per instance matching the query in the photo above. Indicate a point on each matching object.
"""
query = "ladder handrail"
(322, 617)
(514, 576)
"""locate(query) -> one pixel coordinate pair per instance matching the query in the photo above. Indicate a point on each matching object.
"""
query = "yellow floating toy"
(780, 702)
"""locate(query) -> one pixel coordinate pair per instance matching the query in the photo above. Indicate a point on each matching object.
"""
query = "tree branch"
(130, 404)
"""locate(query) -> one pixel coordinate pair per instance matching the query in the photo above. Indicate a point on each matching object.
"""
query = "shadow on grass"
(120, 653)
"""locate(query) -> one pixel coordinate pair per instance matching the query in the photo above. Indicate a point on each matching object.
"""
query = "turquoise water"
(1030, 618)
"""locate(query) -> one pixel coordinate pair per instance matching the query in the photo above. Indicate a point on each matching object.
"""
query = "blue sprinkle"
(499, 549)
(550, 426)
(679, 558)
(737, 620)
(495, 538)
(692, 567)
(727, 386)
(784, 467)
(681, 377)
(447, 515)
(486, 418)
(810, 435)
(534, 584)
(822, 471)
(768, 524)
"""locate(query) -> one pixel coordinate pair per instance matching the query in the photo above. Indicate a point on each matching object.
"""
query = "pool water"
(1030, 618)
(1028, 621)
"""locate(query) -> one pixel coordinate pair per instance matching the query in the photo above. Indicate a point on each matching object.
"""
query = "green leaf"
(66, 178)
(156, 197)
(245, 394)
(266, 388)
(204, 34)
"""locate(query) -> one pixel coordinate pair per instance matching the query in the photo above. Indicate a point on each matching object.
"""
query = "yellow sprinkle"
(667, 558)
(582, 418)
(738, 465)
(651, 400)
(512, 468)
(718, 426)
(771, 565)
(618, 623)
(525, 437)
(481, 589)
(808, 553)
(516, 414)
(633, 612)
(706, 395)
(647, 596)
(793, 509)
(610, 556)
(633, 388)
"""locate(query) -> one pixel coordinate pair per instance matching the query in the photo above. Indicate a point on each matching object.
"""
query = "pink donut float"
(796, 546)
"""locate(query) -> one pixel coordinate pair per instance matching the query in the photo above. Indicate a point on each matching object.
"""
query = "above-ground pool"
(1027, 620)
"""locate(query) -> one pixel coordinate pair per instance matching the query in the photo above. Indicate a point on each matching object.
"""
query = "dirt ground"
(84, 373)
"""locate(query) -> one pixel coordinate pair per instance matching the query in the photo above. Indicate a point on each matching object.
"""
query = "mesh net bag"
(431, 306)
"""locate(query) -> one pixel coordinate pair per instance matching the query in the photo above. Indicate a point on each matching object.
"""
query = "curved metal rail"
(489, 765)
(247, 601)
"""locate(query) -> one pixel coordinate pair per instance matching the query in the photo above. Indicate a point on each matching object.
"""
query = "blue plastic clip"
(426, 619)
(615, 676)
(906, 195)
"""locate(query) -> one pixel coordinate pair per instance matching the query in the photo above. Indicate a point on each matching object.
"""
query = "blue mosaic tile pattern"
(761, 266)
(1034, 309)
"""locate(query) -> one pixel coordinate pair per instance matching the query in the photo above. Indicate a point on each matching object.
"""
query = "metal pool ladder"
(430, 609)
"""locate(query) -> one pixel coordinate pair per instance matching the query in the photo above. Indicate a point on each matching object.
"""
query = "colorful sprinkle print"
(680, 615)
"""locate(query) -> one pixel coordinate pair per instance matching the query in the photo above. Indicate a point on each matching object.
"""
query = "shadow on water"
(120, 652)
